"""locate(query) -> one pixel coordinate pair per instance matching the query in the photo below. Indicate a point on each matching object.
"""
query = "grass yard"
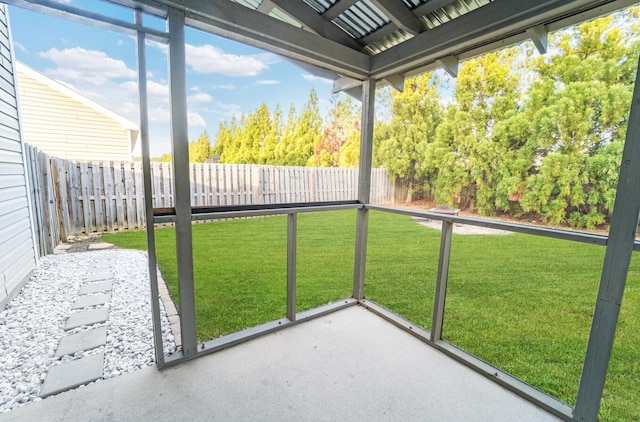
(520, 302)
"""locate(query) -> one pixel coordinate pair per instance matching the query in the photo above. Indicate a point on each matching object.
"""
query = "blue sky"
(223, 77)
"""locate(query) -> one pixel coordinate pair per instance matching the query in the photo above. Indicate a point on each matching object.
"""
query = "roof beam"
(400, 14)
(304, 14)
(234, 21)
(498, 20)
(266, 6)
(379, 33)
(539, 35)
(431, 6)
(338, 8)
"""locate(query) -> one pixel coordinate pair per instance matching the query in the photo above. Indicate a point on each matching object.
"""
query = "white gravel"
(33, 323)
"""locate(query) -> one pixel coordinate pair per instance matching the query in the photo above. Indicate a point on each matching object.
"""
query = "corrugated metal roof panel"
(320, 6)
(431, 20)
(251, 4)
(452, 11)
(361, 19)
(364, 18)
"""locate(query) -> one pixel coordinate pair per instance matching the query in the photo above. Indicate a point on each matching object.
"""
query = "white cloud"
(200, 97)
(86, 66)
(20, 46)
(229, 87)
(210, 59)
(268, 82)
(195, 119)
(312, 78)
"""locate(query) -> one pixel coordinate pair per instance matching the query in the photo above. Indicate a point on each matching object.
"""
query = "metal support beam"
(355, 92)
(441, 284)
(308, 17)
(76, 14)
(364, 186)
(344, 84)
(540, 37)
(399, 13)
(338, 8)
(266, 6)
(498, 20)
(148, 194)
(396, 81)
(450, 65)
(237, 22)
(181, 188)
(292, 234)
(622, 234)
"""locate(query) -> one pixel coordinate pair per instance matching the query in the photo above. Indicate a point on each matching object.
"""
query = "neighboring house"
(17, 247)
(65, 124)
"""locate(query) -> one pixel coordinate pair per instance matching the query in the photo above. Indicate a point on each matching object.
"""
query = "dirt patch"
(80, 243)
(460, 228)
(529, 219)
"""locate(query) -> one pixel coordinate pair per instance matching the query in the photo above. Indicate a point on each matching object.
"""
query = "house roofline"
(40, 77)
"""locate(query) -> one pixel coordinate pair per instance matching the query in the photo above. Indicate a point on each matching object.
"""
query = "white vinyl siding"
(63, 127)
(17, 253)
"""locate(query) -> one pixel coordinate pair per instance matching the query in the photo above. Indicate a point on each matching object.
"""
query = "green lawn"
(520, 302)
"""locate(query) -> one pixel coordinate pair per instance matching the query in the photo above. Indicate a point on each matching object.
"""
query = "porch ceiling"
(381, 38)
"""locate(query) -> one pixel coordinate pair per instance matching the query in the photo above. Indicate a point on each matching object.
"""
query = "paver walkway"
(90, 308)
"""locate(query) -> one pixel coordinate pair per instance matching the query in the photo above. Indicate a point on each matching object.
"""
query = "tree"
(201, 149)
(578, 111)
(341, 126)
(486, 90)
(402, 145)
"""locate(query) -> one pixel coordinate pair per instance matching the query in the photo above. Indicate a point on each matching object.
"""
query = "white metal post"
(441, 283)
(292, 235)
(364, 186)
(622, 234)
(182, 188)
(148, 204)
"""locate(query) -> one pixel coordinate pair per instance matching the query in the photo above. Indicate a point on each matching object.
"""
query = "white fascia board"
(75, 95)
(483, 26)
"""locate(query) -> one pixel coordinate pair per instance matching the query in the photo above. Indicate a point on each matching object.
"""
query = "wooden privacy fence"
(87, 197)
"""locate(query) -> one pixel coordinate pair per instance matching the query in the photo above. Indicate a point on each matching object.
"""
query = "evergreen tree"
(578, 110)
(403, 146)
(201, 149)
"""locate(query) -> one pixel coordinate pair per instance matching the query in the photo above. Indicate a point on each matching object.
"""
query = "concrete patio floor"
(349, 365)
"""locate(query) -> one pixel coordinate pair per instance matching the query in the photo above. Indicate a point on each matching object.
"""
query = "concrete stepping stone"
(61, 249)
(84, 340)
(98, 246)
(71, 374)
(96, 287)
(90, 317)
(99, 276)
(91, 300)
